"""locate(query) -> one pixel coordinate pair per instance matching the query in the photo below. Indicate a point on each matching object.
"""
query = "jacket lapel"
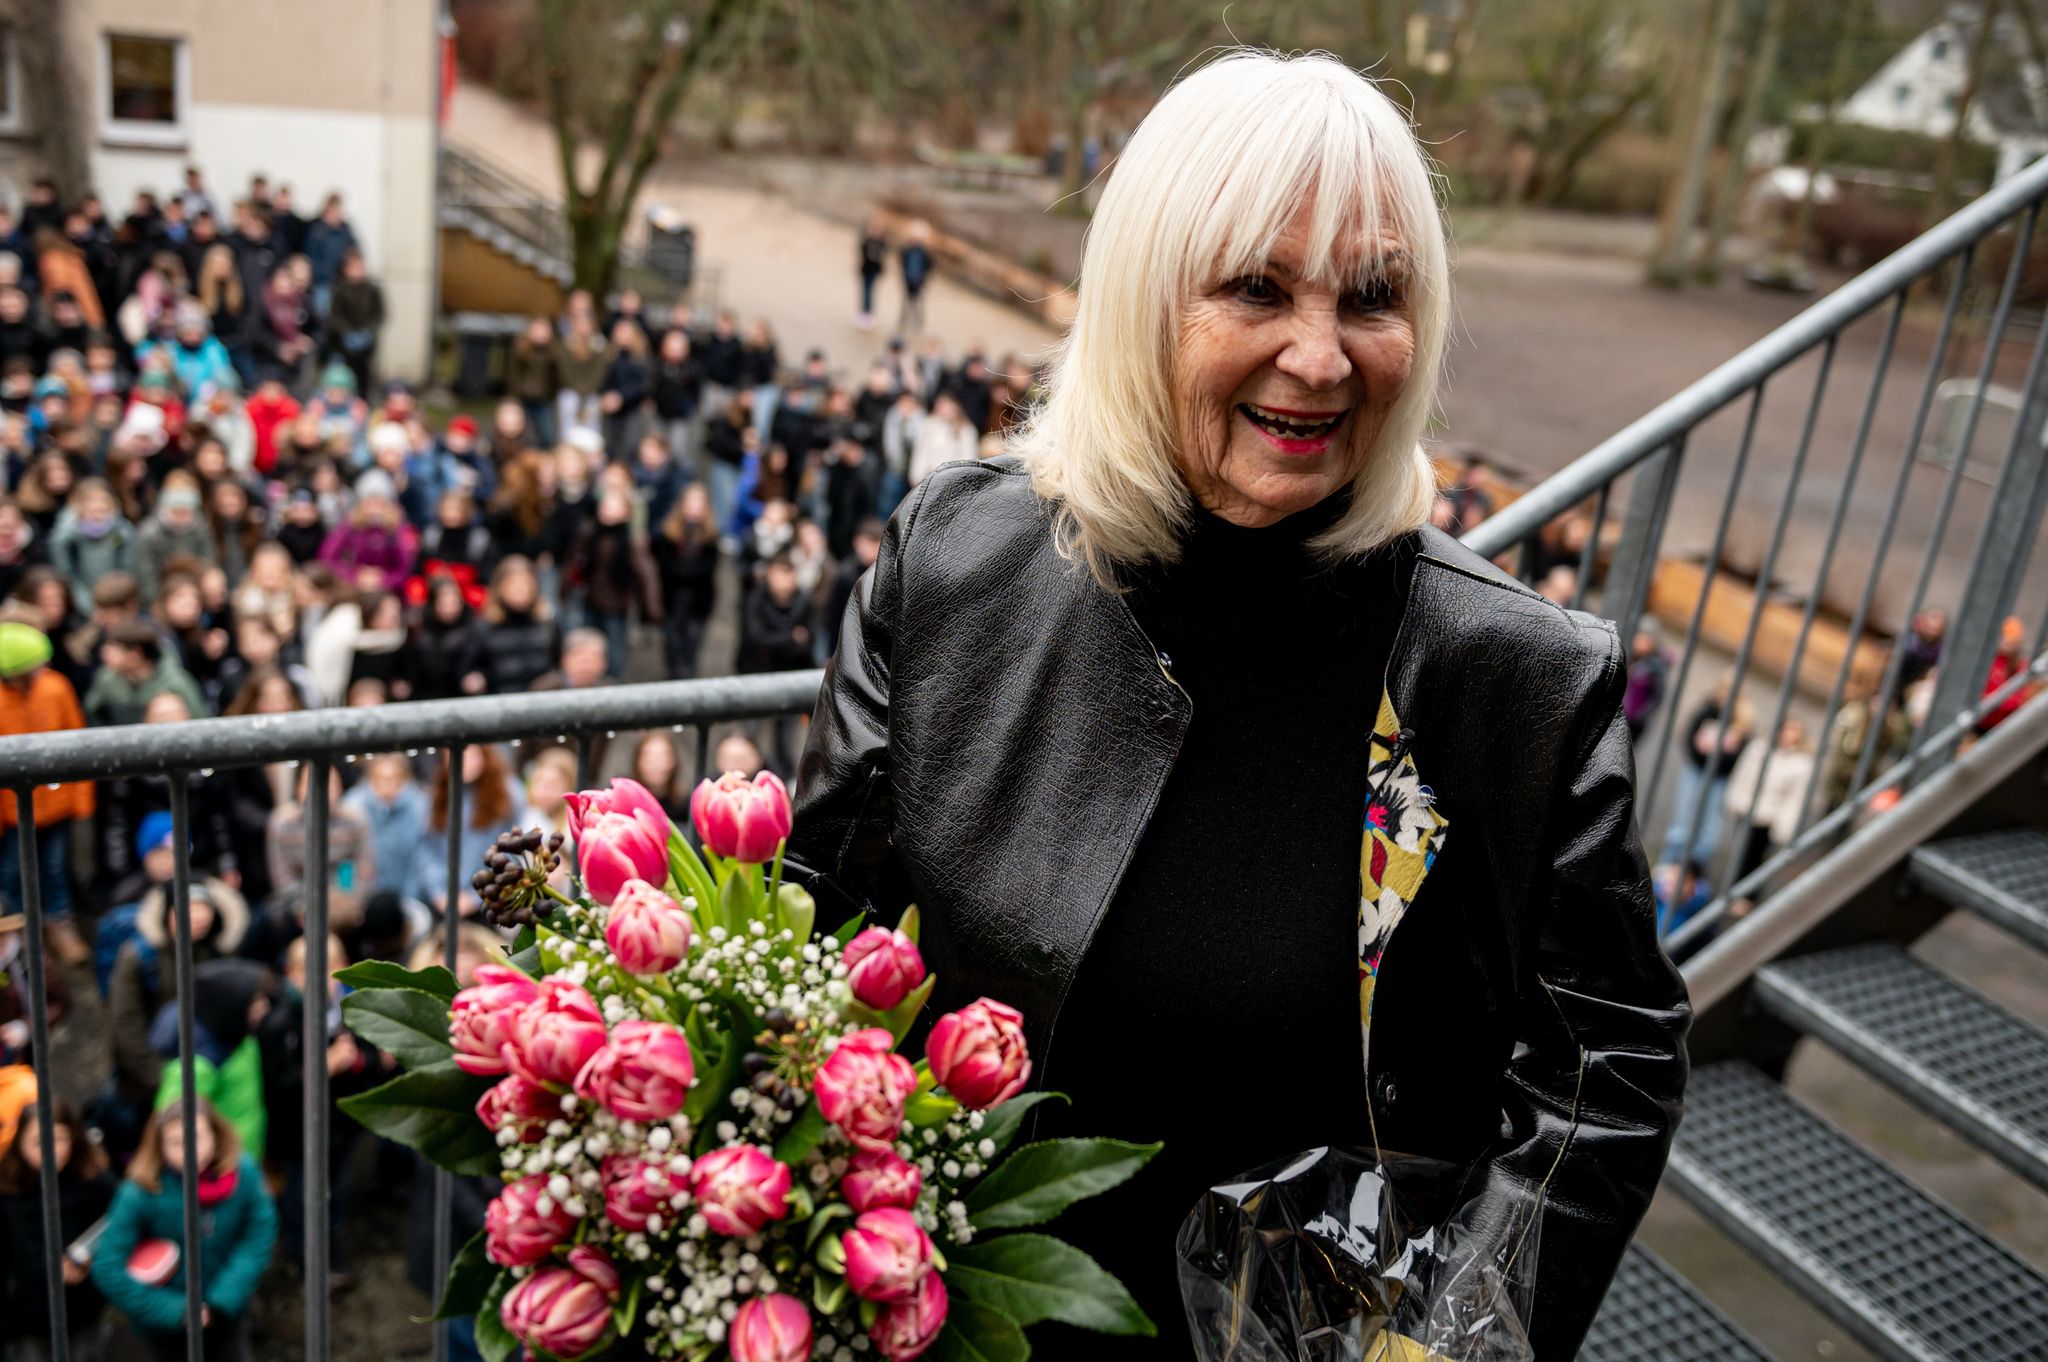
(1404, 834)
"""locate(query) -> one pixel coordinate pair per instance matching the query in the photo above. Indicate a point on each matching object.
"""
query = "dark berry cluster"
(785, 1060)
(512, 886)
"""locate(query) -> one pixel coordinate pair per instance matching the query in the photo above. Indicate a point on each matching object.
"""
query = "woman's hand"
(342, 1055)
(76, 1272)
(473, 684)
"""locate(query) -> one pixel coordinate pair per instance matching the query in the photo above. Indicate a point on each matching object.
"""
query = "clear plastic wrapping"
(1338, 1255)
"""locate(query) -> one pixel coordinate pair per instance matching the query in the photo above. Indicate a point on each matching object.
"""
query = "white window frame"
(128, 132)
(10, 59)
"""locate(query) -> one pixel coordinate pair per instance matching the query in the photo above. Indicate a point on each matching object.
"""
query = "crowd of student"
(213, 507)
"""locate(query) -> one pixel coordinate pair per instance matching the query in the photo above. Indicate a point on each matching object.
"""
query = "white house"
(1917, 90)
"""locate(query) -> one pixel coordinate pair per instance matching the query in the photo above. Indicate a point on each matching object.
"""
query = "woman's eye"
(1256, 288)
(1374, 297)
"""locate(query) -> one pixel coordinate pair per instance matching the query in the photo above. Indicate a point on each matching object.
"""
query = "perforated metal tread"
(1958, 1055)
(2002, 876)
(1895, 1267)
(1652, 1314)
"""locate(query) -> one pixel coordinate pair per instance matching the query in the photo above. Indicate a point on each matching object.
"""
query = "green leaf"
(470, 1279)
(1040, 1180)
(831, 1211)
(978, 1333)
(383, 974)
(1002, 1122)
(432, 1110)
(801, 1135)
(908, 923)
(849, 930)
(713, 1091)
(1033, 1277)
(925, 1110)
(899, 1019)
(796, 910)
(828, 1294)
(412, 1026)
(525, 938)
(692, 877)
(737, 900)
(494, 1341)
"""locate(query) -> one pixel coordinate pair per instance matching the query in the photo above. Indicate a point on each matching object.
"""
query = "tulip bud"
(904, 1330)
(517, 1233)
(978, 1054)
(647, 930)
(625, 796)
(616, 849)
(882, 967)
(514, 1104)
(740, 819)
(480, 1020)
(876, 1178)
(635, 1189)
(773, 1328)
(555, 1035)
(887, 1255)
(564, 1311)
(642, 1073)
(862, 1087)
(739, 1189)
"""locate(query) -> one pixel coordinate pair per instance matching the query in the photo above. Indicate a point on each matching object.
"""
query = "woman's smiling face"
(1283, 382)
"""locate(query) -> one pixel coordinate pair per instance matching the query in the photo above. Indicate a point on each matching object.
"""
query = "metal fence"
(320, 739)
(1701, 450)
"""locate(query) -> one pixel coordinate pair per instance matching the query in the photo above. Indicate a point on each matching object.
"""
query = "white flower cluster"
(948, 1156)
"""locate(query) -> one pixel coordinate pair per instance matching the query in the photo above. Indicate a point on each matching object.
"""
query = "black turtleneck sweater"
(1217, 1008)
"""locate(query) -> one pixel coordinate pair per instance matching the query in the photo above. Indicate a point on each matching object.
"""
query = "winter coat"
(80, 1204)
(156, 544)
(145, 977)
(441, 655)
(395, 832)
(49, 705)
(114, 699)
(613, 567)
(390, 552)
(237, 1235)
(518, 649)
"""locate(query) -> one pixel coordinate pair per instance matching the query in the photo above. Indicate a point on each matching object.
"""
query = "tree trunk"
(1675, 239)
(51, 103)
(1951, 147)
(594, 247)
(1763, 65)
(1073, 201)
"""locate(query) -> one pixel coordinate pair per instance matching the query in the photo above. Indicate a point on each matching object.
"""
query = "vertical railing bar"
(181, 910)
(1790, 683)
(1711, 571)
(317, 1134)
(1764, 582)
(1974, 640)
(586, 748)
(1671, 467)
(704, 771)
(1587, 554)
(1887, 692)
(1936, 362)
(444, 1181)
(1525, 555)
(39, 1055)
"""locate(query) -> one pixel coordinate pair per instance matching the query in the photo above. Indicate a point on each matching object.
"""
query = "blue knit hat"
(155, 832)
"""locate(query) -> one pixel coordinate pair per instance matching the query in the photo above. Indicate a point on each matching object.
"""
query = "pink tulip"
(648, 931)
(512, 1103)
(904, 1330)
(742, 819)
(978, 1053)
(887, 1255)
(773, 1328)
(616, 849)
(625, 796)
(643, 1072)
(739, 1189)
(882, 966)
(635, 1190)
(564, 1311)
(876, 1178)
(863, 1086)
(555, 1035)
(480, 1018)
(517, 1232)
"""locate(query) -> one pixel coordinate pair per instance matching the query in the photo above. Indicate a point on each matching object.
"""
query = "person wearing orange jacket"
(36, 699)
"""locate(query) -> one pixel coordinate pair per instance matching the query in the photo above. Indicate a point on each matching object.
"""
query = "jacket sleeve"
(841, 847)
(229, 1286)
(156, 1309)
(1594, 1097)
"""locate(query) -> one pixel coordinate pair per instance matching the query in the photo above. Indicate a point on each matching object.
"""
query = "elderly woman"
(1167, 718)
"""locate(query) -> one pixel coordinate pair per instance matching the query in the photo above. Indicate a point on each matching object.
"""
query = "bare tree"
(1695, 145)
(1582, 64)
(613, 74)
(1763, 65)
(1951, 146)
(49, 92)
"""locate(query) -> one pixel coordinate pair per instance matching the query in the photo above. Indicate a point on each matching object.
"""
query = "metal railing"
(320, 738)
(1619, 564)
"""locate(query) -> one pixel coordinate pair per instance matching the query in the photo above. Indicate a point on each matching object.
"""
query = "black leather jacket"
(994, 732)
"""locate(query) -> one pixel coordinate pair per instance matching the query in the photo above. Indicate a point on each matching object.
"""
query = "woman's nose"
(1315, 356)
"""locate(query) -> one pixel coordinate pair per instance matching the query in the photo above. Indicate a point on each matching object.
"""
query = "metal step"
(1947, 1048)
(1893, 1266)
(2002, 876)
(1652, 1314)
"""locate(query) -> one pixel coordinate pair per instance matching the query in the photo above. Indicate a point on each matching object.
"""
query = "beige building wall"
(321, 95)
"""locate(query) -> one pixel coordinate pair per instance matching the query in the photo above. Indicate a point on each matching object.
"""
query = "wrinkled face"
(1282, 383)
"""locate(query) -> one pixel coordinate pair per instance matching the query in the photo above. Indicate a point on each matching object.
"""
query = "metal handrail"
(1674, 416)
(253, 740)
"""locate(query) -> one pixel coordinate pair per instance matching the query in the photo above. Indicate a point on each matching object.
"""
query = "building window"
(1940, 49)
(143, 89)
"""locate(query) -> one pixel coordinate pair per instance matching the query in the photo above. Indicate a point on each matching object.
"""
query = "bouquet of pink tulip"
(709, 1144)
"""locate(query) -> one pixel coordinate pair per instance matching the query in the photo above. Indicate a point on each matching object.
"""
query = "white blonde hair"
(1212, 178)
